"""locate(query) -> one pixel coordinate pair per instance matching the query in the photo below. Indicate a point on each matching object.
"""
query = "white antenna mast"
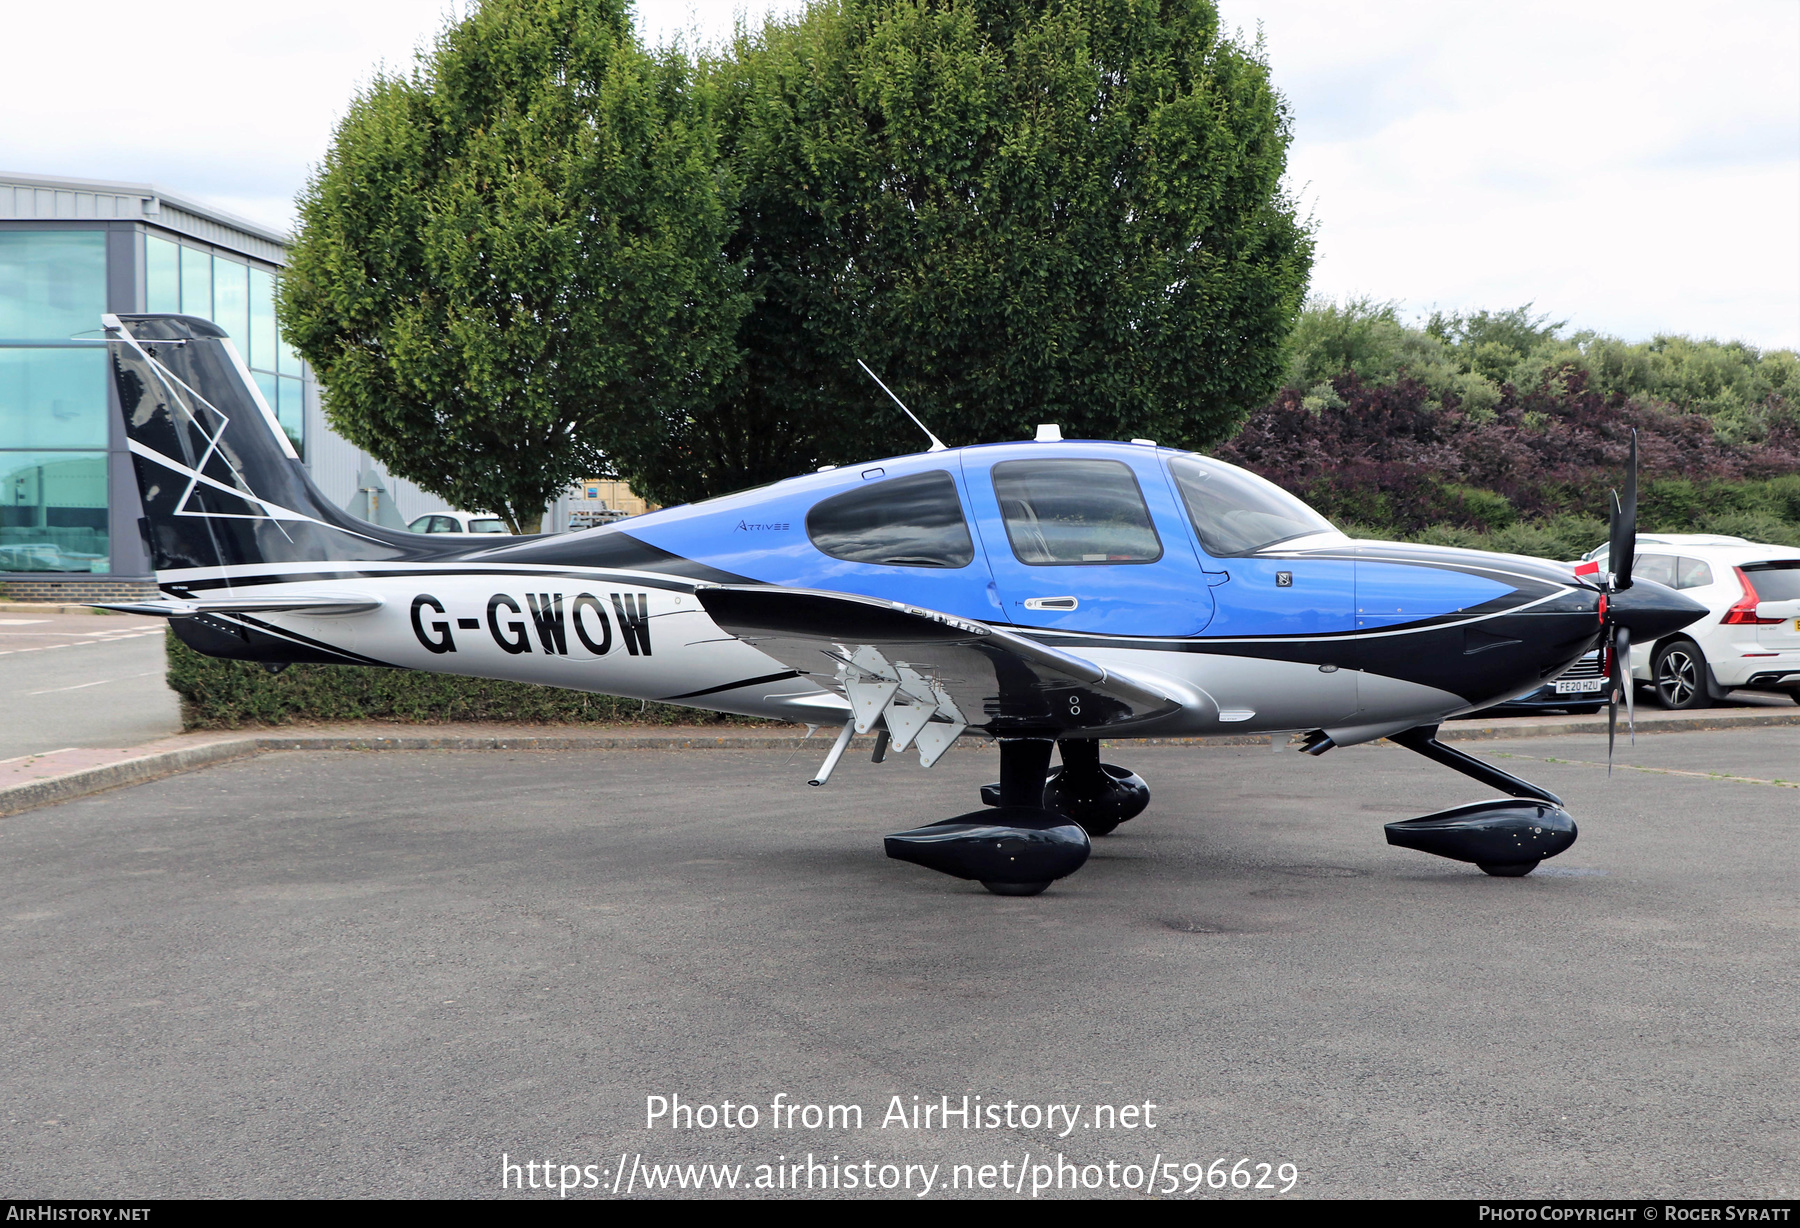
(937, 445)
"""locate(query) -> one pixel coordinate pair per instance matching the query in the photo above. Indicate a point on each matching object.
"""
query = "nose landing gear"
(1506, 837)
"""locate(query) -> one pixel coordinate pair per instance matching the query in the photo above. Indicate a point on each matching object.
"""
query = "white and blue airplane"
(1044, 594)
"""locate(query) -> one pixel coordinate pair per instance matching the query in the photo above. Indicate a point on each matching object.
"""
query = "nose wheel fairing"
(1506, 838)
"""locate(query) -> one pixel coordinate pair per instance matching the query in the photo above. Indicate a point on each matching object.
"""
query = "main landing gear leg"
(1097, 795)
(1016, 848)
(1505, 838)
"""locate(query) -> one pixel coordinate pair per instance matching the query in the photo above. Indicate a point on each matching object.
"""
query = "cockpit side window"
(1692, 573)
(911, 521)
(1071, 511)
(1235, 512)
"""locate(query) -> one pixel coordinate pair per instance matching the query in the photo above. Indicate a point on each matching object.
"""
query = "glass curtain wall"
(53, 406)
(240, 298)
(53, 378)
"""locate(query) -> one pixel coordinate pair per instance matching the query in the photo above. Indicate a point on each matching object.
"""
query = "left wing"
(930, 675)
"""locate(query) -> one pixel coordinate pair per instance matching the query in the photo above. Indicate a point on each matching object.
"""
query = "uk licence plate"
(1580, 686)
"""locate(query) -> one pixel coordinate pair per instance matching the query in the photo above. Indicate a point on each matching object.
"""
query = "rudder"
(221, 485)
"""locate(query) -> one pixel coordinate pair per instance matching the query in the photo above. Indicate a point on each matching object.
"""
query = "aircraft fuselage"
(1313, 632)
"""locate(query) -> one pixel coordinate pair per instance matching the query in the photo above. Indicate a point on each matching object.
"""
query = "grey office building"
(69, 250)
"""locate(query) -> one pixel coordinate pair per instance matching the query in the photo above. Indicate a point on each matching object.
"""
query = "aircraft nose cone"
(1649, 610)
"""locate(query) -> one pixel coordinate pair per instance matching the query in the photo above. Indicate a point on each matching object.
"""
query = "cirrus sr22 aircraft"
(1043, 594)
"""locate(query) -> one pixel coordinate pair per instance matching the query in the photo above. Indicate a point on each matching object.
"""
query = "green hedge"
(1765, 511)
(219, 694)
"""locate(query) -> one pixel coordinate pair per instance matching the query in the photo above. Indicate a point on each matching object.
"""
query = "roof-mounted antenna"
(937, 445)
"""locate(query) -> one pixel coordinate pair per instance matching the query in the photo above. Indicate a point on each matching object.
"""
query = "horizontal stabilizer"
(341, 603)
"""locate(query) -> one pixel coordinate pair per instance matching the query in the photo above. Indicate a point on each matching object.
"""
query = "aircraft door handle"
(1051, 603)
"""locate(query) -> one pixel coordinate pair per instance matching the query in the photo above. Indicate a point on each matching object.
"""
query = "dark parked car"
(1581, 689)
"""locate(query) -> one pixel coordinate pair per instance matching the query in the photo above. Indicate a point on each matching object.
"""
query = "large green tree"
(511, 262)
(1018, 211)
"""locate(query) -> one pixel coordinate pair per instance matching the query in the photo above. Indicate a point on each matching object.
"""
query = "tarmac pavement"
(375, 974)
(82, 680)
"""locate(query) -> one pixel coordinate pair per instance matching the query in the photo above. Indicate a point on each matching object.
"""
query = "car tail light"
(1744, 612)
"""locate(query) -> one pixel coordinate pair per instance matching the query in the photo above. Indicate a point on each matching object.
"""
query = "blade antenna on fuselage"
(937, 445)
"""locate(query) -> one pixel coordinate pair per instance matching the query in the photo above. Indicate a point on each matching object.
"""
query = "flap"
(965, 672)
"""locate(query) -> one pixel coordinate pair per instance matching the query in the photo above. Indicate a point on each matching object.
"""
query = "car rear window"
(487, 526)
(1775, 581)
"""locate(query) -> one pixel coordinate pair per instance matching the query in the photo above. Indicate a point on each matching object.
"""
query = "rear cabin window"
(913, 521)
(1235, 512)
(1069, 512)
(1775, 581)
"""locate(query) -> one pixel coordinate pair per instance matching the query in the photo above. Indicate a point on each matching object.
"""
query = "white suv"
(1750, 637)
(458, 522)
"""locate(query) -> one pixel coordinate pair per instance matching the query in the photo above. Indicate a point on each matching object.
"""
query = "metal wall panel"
(31, 198)
(337, 466)
(194, 226)
(20, 202)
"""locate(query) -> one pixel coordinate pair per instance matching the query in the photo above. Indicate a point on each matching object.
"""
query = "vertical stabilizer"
(222, 487)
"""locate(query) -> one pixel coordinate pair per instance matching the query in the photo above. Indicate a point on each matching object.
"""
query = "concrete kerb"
(136, 770)
(140, 769)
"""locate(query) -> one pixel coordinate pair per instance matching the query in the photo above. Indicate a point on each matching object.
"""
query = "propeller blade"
(1617, 679)
(1622, 532)
(1611, 728)
(1622, 653)
(1615, 538)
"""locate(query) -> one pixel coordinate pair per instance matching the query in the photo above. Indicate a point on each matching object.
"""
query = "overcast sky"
(1630, 167)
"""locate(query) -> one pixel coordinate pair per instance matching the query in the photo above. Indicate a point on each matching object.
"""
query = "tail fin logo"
(206, 425)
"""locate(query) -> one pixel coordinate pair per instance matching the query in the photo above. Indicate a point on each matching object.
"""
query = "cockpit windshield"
(1235, 512)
